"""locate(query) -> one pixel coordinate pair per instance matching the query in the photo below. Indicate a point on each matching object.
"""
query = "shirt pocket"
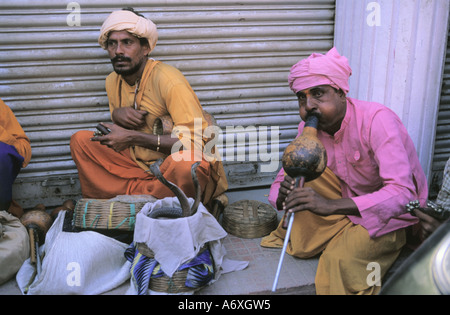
(362, 170)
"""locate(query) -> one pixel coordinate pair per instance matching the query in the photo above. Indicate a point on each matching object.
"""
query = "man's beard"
(125, 72)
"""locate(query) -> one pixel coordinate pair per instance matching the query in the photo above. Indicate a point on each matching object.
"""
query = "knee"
(79, 141)
(80, 137)
(179, 171)
(185, 162)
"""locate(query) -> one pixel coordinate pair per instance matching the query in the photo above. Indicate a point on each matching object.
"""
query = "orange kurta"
(12, 133)
(163, 90)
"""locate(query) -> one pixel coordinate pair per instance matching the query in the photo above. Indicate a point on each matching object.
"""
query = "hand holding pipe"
(289, 220)
(304, 159)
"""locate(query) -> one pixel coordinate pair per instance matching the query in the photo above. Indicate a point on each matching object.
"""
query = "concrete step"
(296, 277)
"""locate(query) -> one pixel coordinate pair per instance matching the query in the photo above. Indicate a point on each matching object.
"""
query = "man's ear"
(145, 46)
(147, 49)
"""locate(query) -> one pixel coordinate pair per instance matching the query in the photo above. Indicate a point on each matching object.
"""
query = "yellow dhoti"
(347, 252)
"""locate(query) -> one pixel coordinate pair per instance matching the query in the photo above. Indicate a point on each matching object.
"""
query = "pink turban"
(329, 69)
(125, 20)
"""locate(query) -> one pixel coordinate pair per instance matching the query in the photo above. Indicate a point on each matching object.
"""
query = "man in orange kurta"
(15, 153)
(139, 91)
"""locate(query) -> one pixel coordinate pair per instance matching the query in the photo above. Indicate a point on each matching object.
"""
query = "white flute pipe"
(286, 241)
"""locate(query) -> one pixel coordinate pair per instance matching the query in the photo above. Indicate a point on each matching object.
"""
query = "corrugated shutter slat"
(235, 55)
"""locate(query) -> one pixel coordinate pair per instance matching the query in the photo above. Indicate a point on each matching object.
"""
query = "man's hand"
(286, 187)
(428, 224)
(118, 139)
(129, 118)
(307, 199)
(295, 199)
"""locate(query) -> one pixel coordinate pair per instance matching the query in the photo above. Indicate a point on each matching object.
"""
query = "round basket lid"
(249, 219)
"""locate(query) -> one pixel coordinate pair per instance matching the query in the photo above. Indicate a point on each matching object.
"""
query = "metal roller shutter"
(442, 140)
(236, 55)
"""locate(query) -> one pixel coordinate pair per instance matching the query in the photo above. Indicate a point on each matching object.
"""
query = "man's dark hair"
(132, 10)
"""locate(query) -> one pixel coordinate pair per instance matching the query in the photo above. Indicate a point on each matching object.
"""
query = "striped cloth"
(143, 269)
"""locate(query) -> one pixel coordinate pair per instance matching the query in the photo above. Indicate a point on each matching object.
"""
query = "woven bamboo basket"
(249, 219)
(174, 284)
(103, 214)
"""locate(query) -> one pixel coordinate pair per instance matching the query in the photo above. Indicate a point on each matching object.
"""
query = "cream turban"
(329, 69)
(124, 20)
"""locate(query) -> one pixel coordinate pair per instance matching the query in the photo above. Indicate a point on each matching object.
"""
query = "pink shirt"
(377, 164)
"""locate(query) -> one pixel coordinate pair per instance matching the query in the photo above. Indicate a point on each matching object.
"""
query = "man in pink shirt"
(354, 215)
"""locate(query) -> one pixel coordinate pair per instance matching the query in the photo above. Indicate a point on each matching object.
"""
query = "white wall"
(396, 49)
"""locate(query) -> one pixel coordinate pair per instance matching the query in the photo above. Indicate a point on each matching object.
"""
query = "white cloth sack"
(14, 245)
(76, 263)
(175, 241)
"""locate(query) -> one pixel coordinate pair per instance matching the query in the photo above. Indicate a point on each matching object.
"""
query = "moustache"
(120, 58)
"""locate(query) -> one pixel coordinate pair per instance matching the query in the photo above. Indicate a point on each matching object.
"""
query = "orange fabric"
(104, 173)
(164, 90)
(12, 133)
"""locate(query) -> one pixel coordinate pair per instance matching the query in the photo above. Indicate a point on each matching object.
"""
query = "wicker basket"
(104, 214)
(249, 219)
(174, 284)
